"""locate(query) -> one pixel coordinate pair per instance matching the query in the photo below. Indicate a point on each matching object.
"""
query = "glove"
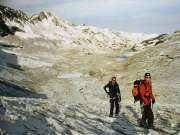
(119, 97)
(153, 101)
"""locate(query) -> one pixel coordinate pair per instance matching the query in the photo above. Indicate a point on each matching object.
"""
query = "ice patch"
(33, 62)
(121, 58)
(69, 75)
(28, 33)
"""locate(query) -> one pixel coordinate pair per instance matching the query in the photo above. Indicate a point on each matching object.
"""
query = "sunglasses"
(147, 77)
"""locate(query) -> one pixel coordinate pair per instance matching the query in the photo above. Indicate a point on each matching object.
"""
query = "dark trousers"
(147, 116)
(112, 102)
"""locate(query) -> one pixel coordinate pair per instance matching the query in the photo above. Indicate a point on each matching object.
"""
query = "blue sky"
(147, 16)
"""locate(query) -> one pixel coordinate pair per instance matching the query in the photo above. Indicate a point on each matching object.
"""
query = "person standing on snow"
(114, 94)
(147, 98)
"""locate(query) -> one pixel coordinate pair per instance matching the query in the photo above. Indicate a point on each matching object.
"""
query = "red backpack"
(136, 91)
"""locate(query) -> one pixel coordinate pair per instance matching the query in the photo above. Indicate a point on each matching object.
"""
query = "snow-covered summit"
(46, 15)
(47, 25)
(42, 15)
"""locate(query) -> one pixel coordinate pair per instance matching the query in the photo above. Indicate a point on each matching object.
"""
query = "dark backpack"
(136, 91)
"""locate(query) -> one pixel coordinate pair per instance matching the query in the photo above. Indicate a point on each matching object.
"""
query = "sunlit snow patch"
(69, 75)
(28, 33)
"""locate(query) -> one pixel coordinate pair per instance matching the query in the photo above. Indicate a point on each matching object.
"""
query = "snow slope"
(48, 26)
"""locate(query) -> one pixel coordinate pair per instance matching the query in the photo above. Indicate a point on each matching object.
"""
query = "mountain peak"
(45, 15)
(42, 15)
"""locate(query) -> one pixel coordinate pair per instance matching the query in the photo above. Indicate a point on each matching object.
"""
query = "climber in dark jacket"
(114, 94)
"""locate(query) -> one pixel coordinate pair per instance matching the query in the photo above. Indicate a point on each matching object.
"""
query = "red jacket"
(146, 93)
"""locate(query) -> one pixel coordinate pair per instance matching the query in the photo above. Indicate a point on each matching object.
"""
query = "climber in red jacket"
(147, 98)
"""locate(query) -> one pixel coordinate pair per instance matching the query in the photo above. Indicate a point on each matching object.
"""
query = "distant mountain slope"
(47, 25)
